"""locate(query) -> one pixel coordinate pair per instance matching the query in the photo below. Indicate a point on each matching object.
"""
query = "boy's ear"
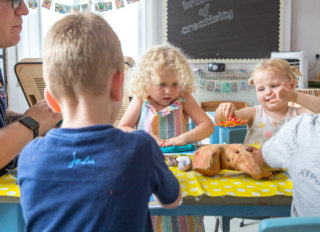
(52, 101)
(117, 83)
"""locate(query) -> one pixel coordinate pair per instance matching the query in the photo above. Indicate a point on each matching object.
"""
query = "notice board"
(225, 29)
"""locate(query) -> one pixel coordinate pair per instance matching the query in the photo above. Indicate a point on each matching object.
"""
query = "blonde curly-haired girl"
(161, 86)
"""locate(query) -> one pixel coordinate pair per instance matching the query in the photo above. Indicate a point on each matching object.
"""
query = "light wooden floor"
(249, 225)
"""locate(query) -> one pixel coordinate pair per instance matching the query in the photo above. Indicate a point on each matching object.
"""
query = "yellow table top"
(226, 183)
(231, 183)
(8, 186)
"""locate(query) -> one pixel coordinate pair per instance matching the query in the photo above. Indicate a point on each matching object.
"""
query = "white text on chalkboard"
(209, 20)
(190, 4)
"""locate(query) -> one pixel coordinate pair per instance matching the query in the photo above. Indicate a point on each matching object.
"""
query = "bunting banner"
(47, 4)
(32, 4)
(103, 6)
(76, 6)
(119, 4)
(62, 9)
(220, 83)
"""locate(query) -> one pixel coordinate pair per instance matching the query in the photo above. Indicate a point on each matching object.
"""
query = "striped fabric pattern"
(178, 223)
(167, 123)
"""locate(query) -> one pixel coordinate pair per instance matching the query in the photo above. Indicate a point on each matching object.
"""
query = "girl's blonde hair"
(162, 56)
(279, 66)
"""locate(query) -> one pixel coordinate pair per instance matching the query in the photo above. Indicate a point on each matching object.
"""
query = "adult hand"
(42, 113)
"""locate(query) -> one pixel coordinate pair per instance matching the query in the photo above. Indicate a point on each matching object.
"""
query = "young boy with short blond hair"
(88, 175)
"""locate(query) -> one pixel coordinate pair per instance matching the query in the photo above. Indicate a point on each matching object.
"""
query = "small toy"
(232, 122)
(172, 161)
(183, 163)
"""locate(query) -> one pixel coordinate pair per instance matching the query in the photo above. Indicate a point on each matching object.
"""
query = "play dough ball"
(184, 163)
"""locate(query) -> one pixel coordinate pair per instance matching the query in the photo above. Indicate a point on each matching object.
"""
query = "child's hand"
(285, 93)
(176, 141)
(158, 139)
(227, 110)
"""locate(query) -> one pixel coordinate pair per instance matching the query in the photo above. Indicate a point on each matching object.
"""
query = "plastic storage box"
(232, 134)
(227, 135)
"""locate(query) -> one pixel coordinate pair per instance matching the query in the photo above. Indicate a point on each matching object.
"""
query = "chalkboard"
(225, 29)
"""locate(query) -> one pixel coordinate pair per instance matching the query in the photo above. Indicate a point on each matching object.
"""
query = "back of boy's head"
(278, 66)
(160, 57)
(81, 51)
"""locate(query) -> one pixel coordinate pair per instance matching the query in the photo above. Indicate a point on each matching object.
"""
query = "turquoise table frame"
(11, 219)
(228, 207)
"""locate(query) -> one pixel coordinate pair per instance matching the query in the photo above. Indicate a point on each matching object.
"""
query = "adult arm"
(15, 136)
(12, 116)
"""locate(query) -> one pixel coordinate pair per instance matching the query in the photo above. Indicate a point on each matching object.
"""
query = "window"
(127, 22)
(134, 25)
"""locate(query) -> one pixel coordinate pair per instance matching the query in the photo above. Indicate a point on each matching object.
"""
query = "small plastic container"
(230, 135)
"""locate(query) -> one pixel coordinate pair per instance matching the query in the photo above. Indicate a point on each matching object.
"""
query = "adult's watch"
(31, 124)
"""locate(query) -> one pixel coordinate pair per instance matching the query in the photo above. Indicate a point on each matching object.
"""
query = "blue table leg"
(225, 223)
(11, 219)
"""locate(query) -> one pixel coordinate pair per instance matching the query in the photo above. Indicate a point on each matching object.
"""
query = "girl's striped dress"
(167, 123)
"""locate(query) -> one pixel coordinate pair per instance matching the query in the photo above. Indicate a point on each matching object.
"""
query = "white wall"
(301, 34)
(305, 32)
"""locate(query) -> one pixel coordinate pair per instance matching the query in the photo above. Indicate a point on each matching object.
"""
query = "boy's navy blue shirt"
(96, 178)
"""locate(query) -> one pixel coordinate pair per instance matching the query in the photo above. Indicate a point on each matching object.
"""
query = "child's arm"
(131, 116)
(309, 103)
(259, 160)
(172, 205)
(224, 112)
(203, 129)
(227, 110)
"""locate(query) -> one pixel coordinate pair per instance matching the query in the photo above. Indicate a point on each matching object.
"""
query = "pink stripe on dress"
(177, 122)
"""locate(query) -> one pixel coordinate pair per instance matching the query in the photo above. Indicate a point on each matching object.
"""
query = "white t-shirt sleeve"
(278, 149)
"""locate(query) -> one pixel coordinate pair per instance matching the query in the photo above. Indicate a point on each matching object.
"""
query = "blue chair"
(290, 224)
